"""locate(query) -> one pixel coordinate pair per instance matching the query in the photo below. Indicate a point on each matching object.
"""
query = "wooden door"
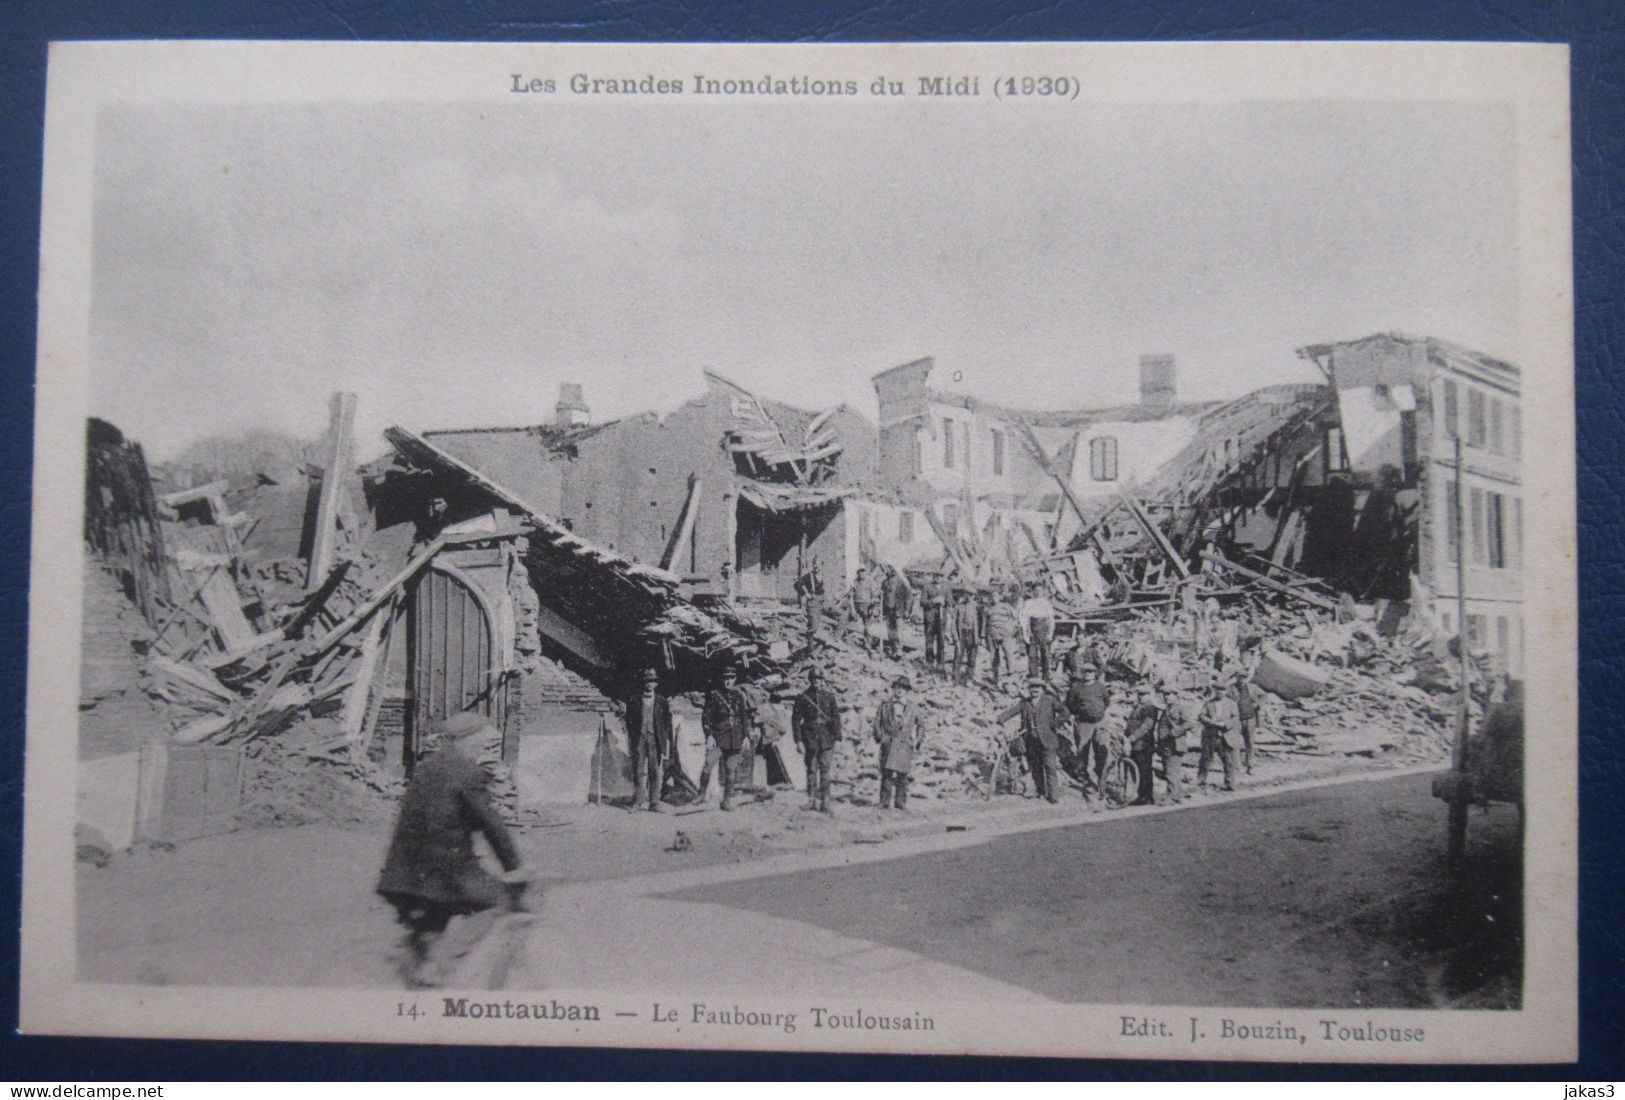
(452, 658)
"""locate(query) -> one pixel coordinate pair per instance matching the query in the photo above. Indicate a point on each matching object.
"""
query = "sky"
(453, 263)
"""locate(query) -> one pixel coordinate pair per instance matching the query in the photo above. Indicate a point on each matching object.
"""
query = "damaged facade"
(734, 493)
(1404, 403)
(529, 573)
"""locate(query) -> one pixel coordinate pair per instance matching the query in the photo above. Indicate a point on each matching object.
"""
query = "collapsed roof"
(629, 610)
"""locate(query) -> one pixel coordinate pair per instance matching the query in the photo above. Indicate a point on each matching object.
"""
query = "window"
(1497, 436)
(1452, 410)
(905, 526)
(1103, 458)
(1452, 536)
(1514, 431)
(1495, 530)
(1475, 418)
(1335, 450)
(950, 520)
(1475, 526)
(1503, 636)
(1447, 621)
(998, 452)
(1475, 633)
(1517, 533)
(947, 443)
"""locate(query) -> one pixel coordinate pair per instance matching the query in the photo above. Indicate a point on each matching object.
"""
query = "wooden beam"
(571, 637)
(358, 694)
(685, 524)
(949, 545)
(225, 607)
(1154, 533)
(339, 432)
(1031, 439)
(1310, 598)
(376, 600)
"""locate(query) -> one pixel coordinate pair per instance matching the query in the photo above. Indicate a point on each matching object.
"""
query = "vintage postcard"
(1028, 549)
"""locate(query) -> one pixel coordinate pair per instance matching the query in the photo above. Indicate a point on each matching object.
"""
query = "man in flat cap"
(815, 723)
(1221, 734)
(648, 731)
(443, 895)
(1087, 698)
(1042, 716)
(897, 731)
(727, 718)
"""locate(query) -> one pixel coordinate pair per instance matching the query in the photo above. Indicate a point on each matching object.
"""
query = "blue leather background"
(1593, 27)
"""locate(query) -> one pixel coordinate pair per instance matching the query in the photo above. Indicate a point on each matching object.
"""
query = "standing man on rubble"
(726, 718)
(1181, 717)
(895, 596)
(1144, 730)
(1042, 718)
(1221, 733)
(810, 590)
(1087, 698)
(815, 723)
(1246, 712)
(443, 895)
(1003, 630)
(865, 597)
(936, 614)
(1038, 629)
(648, 731)
(967, 630)
(898, 733)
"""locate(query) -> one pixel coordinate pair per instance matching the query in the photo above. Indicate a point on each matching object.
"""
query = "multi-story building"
(959, 465)
(1405, 402)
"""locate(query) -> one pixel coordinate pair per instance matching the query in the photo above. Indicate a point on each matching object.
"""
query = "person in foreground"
(441, 892)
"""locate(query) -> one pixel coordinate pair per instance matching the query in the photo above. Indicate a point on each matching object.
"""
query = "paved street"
(1333, 896)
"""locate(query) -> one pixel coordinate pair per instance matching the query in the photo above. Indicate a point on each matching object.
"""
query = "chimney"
(1157, 380)
(571, 411)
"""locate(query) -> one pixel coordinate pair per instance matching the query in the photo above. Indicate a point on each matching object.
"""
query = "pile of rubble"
(1364, 682)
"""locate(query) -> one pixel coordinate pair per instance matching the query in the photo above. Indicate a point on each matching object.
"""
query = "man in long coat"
(897, 730)
(727, 718)
(431, 875)
(1042, 718)
(648, 732)
(815, 723)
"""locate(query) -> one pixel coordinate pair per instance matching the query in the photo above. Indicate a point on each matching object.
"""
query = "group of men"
(1220, 704)
(729, 721)
(958, 621)
(881, 594)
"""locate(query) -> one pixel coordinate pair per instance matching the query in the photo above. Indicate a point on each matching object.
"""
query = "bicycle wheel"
(1122, 781)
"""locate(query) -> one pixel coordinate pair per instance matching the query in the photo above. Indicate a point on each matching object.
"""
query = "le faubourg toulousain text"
(826, 1018)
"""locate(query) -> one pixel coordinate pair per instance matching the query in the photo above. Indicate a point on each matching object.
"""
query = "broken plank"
(225, 606)
(340, 429)
(1271, 583)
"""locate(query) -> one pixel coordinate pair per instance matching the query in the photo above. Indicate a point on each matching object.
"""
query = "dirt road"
(1328, 897)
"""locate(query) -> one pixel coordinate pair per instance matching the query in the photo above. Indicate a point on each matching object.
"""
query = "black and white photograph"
(960, 549)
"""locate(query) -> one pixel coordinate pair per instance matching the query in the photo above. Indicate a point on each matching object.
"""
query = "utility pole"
(1458, 757)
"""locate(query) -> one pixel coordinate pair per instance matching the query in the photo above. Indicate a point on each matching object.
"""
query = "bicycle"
(1120, 775)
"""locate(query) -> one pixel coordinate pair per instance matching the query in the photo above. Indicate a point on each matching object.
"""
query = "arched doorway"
(453, 658)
